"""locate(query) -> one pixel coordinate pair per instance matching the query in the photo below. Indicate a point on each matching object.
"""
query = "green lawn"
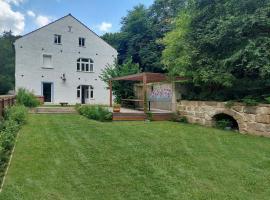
(71, 157)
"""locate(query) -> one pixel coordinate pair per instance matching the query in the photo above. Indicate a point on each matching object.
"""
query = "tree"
(232, 41)
(225, 41)
(7, 62)
(162, 14)
(119, 42)
(141, 29)
(121, 89)
(176, 57)
(139, 37)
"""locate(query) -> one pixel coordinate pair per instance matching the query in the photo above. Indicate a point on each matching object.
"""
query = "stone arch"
(230, 114)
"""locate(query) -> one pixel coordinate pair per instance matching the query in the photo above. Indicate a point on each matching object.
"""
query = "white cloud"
(30, 13)
(15, 2)
(10, 19)
(105, 26)
(43, 20)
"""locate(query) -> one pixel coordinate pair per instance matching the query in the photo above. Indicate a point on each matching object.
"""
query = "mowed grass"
(71, 157)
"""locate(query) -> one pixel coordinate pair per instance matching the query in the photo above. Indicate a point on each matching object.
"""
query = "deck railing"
(6, 101)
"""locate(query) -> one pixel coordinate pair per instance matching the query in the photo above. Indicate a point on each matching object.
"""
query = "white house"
(62, 61)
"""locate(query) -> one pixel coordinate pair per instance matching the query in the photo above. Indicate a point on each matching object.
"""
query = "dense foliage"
(140, 32)
(14, 118)
(95, 112)
(26, 98)
(17, 114)
(121, 89)
(224, 47)
(138, 42)
(7, 62)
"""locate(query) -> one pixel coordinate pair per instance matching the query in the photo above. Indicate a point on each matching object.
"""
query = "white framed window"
(91, 89)
(57, 39)
(47, 61)
(81, 42)
(85, 65)
(88, 91)
(79, 92)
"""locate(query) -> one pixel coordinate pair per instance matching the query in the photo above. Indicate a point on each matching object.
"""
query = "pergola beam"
(110, 85)
(144, 93)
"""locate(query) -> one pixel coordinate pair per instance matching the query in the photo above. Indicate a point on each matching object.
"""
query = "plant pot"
(117, 110)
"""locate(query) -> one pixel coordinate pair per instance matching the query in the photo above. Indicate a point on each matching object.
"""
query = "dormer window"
(57, 39)
(81, 42)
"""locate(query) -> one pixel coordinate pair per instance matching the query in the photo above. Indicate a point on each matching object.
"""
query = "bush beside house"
(95, 112)
(26, 98)
(15, 116)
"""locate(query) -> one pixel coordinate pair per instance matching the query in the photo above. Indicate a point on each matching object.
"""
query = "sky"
(23, 16)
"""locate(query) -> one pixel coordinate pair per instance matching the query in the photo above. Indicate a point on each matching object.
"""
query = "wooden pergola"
(145, 78)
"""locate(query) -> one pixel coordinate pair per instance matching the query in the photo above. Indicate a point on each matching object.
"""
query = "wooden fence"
(6, 101)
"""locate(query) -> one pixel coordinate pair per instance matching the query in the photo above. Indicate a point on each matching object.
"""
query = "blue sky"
(23, 16)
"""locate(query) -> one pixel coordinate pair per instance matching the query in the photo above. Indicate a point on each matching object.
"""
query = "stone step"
(54, 110)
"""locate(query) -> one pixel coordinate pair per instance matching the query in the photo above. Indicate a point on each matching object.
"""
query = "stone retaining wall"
(251, 119)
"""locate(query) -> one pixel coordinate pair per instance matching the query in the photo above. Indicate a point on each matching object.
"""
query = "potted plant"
(116, 108)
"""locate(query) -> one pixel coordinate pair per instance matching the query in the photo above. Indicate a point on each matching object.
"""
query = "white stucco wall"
(29, 73)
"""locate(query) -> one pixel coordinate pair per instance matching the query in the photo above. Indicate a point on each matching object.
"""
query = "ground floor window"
(79, 92)
(91, 92)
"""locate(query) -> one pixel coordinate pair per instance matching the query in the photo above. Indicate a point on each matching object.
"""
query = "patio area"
(155, 98)
(128, 110)
(127, 114)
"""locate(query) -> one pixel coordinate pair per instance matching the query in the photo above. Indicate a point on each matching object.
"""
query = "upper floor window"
(81, 42)
(57, 39)
(47, 61)
(85, 65)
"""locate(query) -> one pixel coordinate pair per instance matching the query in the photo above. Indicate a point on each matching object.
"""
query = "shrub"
(178, 118)
(1, 124)
(149, 116)
(7, 139)
(17, 114)
(14, 117)
(267, 100)
(8, 134)
(116, 105)
(223, 123)
(95, 112)
(250, 101)
(229, 104)
(26, 98)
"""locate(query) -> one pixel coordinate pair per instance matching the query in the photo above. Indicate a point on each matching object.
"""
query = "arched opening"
(225, 122)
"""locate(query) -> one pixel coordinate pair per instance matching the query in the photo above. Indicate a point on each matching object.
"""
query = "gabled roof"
(69, 15)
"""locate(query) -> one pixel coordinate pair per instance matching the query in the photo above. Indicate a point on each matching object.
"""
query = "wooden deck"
(137, 115)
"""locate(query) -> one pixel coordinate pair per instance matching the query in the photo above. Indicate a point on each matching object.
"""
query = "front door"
(47, 92)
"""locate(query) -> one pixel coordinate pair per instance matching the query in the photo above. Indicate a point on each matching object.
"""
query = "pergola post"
(144, 93)
(110, 85)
